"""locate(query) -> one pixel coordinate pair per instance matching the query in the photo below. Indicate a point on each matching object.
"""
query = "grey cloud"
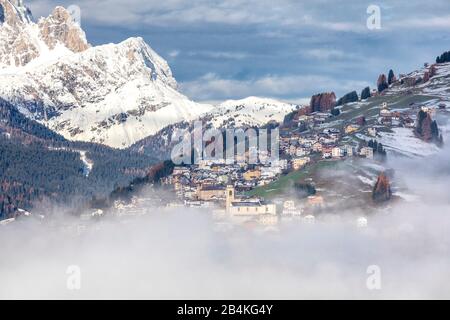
(211, 86)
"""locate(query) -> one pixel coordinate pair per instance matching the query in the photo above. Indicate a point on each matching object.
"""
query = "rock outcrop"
(382, 190)
(17, 47)
(22, 40)
(323, 102)
(14, 13)
(114, 94)
(60, 27)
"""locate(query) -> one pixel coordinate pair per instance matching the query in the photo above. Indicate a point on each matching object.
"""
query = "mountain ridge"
(121, 92)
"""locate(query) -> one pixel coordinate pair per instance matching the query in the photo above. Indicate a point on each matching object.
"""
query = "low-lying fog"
(404, 253)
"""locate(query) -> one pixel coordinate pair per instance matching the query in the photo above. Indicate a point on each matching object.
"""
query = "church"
(247, 208)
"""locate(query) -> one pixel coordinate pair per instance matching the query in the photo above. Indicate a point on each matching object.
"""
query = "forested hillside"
(37, 163)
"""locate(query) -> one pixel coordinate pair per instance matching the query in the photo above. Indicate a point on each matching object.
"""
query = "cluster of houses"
(216, 183)
(396, 118)
(200, 181)
(300, 149)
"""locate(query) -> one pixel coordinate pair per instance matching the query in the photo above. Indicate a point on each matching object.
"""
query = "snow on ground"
(366, 180)
(88, 164)
(403, 141)
(406, 196)
(252, 111)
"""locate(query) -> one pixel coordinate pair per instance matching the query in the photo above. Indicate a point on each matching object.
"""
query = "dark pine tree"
(365, 94)
(391, 77)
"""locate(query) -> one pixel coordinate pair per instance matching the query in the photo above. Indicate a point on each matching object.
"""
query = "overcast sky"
(285, 49)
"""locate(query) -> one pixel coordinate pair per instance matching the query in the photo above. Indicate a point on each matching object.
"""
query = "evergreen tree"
(443, 58)
(391, 77)
(335, 112)
(365, 94)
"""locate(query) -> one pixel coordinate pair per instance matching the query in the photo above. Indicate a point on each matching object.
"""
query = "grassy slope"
(282, 185)
(370, 109)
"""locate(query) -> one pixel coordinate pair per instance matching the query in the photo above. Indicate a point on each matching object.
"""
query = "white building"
(362, 222)
(367, 152)
(349, 151)
(385, 112)
(309, 219)
(300, 152)
(299, 163)
(326, 155)
(337, 152)
(270, 172)
(290, 210)
(247, 208)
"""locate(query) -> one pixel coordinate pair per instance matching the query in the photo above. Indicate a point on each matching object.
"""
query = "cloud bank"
(179, 255)
(246, 42)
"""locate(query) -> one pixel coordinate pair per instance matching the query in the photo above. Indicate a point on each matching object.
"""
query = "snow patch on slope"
(252, 111)
(403, 141)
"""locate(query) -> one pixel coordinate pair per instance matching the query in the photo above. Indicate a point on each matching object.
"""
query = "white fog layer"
(179, 255)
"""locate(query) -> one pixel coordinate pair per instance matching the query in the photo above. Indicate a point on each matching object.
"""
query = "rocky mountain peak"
(61, 27)
(14, 13)
(22, 40)
(139, 52)
(17, 47)
(115, 94)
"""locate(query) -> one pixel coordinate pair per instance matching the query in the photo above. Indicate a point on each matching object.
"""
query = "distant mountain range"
(64, 104)
(78, 122)
(114, 94)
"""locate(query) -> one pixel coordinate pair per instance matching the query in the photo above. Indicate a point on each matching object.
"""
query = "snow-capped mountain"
(114, 94)
(245, 113)
(24, 42)
(249, 112)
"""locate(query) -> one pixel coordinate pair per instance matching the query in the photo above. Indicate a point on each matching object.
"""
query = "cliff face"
(114, 94)
(382, 190)
(22, 40)
(60, 27)
(323, 102)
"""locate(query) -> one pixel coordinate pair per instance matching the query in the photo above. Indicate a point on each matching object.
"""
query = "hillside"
(350, 182)
(36, 163)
